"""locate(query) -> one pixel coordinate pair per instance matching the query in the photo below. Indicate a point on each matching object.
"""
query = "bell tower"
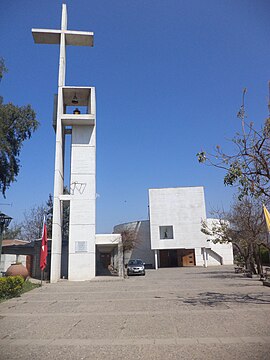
(81, 124)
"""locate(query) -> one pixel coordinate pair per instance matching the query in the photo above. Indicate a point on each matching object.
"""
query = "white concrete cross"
(63, 37)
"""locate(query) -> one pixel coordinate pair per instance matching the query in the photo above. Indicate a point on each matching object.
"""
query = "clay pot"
(17, 269)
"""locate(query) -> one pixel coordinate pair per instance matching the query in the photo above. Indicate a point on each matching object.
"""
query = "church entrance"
(168, 258)
(176, 257)
(106, 256)
(105, 259)
(187, 257)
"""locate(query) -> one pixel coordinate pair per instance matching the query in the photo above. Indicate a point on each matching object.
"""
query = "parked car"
(135, 267)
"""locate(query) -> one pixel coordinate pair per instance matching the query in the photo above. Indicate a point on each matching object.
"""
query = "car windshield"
(135, 262)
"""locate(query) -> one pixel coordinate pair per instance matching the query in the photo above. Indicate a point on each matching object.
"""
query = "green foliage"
(234, 173)
(49, 212)
(239, 260)
(3, 68)
(11, 286)
(265, 256)
(201, 156)
(218, 232)
(16, 125)
(49, 205)
(28, 285)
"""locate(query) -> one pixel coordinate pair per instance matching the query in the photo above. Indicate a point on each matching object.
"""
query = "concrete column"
(204, 257)
(156, 259)
(59, 167)
(82, 217)
(62, 57)
(120, 261)
(57, 208)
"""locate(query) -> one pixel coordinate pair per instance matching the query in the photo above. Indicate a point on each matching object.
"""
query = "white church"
(173, 231)
(172, 236)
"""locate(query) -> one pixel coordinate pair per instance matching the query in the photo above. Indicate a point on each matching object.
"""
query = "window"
(166, 232)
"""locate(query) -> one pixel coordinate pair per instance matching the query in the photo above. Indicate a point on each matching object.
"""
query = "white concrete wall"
(8, 259)
(224, 250)
(82, 262)
(183, 208)
(108, 239)
(199, 260)
(142, 249)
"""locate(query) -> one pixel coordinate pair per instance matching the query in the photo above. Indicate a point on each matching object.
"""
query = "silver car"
(135, 267)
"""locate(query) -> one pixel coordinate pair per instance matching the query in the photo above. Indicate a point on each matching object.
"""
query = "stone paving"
(180, 313)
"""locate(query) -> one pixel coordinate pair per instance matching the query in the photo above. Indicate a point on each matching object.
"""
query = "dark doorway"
(168, 258)
(177, 257)
(64, 260)
(103, 260)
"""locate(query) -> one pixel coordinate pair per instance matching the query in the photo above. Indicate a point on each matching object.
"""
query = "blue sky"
(169, 77)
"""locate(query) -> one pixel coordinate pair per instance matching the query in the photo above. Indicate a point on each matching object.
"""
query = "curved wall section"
(142, 249)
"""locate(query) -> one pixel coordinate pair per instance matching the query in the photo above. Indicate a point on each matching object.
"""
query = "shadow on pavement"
(222, 275)
(212, 299)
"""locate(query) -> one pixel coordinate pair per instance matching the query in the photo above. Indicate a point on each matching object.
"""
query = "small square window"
(166, 232)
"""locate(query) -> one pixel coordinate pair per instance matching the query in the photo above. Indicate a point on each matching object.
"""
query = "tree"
(17, 123)
(32, 225)
(129, 240)
(49, 213)
(49, 205)
(243, 226)
(3, 68)
(14, 231)
(66, 207)
(249, 166)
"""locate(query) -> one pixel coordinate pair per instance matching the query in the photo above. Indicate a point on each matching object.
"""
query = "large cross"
(63, 37)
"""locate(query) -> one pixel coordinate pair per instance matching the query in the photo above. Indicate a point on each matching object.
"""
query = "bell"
(75, 100)
(76, 111)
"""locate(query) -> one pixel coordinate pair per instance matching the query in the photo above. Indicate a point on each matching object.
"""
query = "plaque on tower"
(80, 246)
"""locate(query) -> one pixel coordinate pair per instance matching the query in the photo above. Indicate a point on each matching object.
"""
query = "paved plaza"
(178, 313)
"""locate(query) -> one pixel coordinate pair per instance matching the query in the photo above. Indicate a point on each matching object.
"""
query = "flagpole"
(43, 250)
(267, 220)
(268, 238)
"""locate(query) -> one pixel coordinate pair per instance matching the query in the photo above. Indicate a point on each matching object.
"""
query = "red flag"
(44, 247)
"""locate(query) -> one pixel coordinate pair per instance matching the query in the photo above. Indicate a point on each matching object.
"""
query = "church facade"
(172, 236)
